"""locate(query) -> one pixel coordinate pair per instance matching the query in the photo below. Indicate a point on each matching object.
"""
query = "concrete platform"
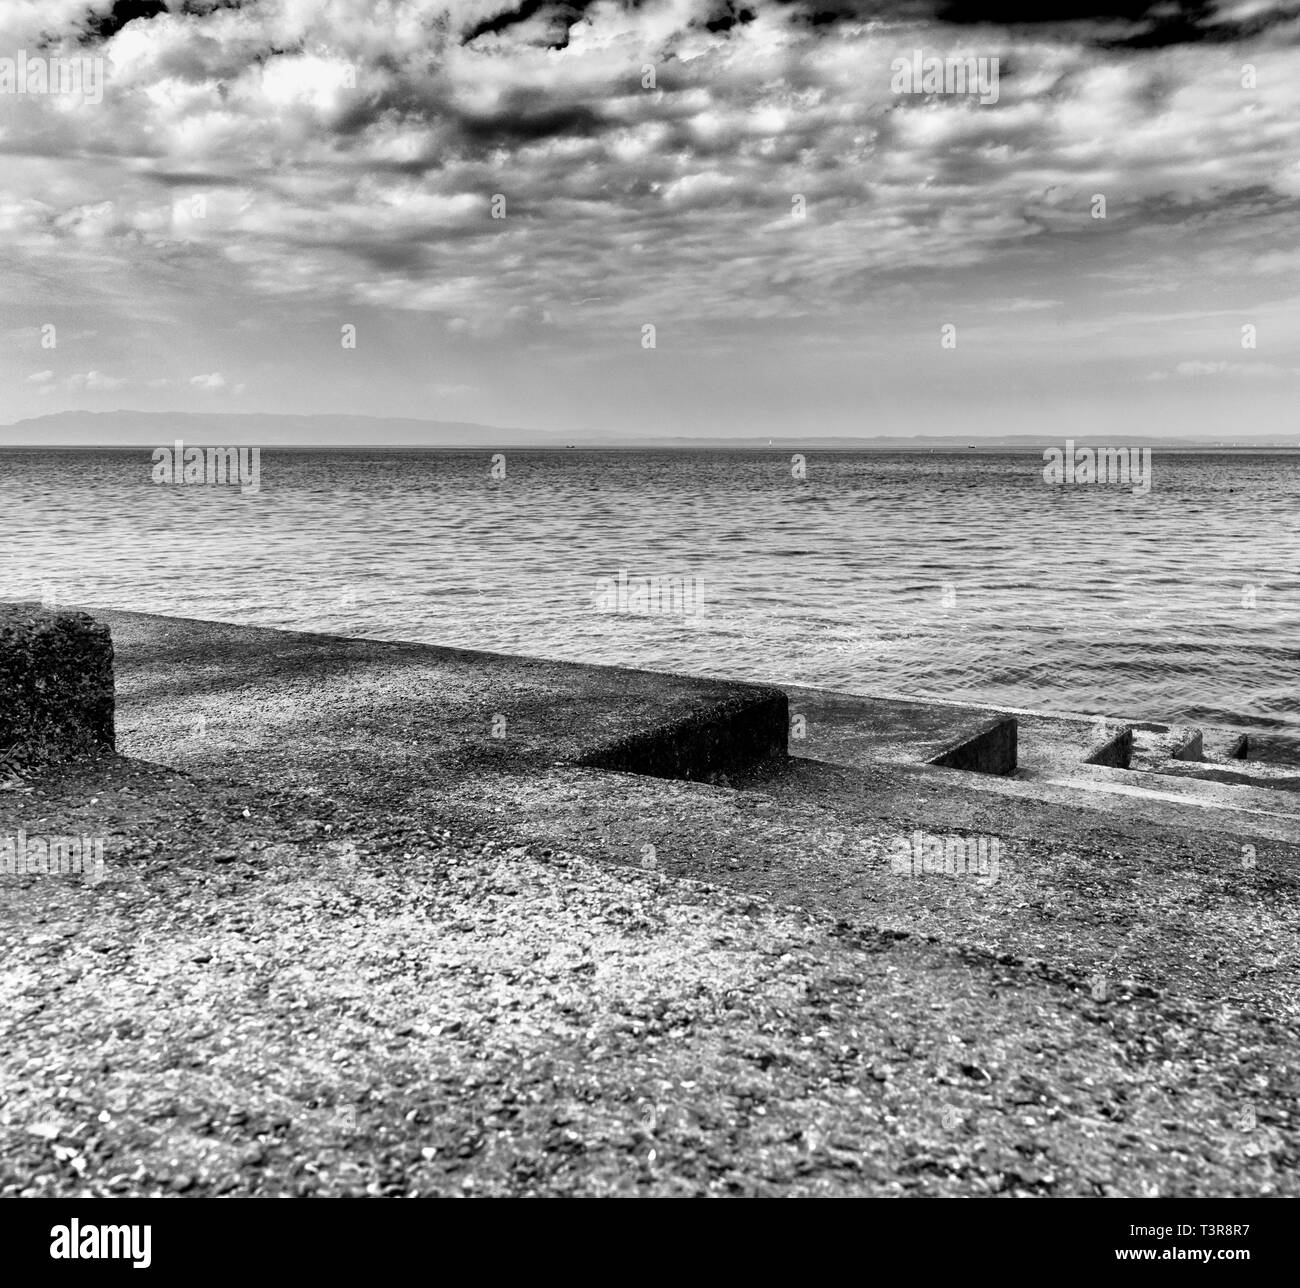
(1120, 967)
(854, 729)
(407, 730)
(204, 695)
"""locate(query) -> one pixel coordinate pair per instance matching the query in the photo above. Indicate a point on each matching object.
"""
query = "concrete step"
(1243, 773)
(1156, 745)
(1224, 745)
(1124, 769)
(1104, 791)
(864, 729)
(1053, 812)
(877, 728)
(1183, 789)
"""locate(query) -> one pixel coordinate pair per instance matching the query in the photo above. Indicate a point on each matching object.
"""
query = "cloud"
(95, 382)
(214, 382)
(1243, 370)
(400, 137)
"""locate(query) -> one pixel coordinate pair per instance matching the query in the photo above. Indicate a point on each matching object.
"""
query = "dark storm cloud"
(554, 21)
(729, 16)
(559, 18)
(1114, 24)
(1125, 24)
(520, 116)
(106, 23)
(526, 118)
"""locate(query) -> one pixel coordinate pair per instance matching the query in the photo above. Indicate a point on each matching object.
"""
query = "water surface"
(953, 574)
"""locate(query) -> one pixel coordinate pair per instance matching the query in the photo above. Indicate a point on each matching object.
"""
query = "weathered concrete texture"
(1244, 773)
(854, 729)
(305, 704)
(730, 736)
(56, 683)
(1155, 746)
(1198, 801)
(882, 728)
(1224, 745)
(1114, 750)
(991, 750)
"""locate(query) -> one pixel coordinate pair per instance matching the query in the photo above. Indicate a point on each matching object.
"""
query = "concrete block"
(56, 683)
(749, 729)
(1113, 750)
(990, 751)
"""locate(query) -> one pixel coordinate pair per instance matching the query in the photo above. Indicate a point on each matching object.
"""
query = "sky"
(501, 199)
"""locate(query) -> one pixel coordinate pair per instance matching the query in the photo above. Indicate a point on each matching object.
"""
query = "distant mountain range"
(149, 429)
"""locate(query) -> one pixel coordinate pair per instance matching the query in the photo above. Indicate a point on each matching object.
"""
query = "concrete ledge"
(1230, 747)
(745, 731)
(56, 683)
(1247, 773)
(1155, 745)
(863, 730)
(991, 751)
(1114, 751)
(320, 711)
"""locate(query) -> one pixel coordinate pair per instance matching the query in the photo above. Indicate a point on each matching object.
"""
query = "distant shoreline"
(125, 429)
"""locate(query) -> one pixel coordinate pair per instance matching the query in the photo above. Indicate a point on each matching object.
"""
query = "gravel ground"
(277, 993)
(1189, 911)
